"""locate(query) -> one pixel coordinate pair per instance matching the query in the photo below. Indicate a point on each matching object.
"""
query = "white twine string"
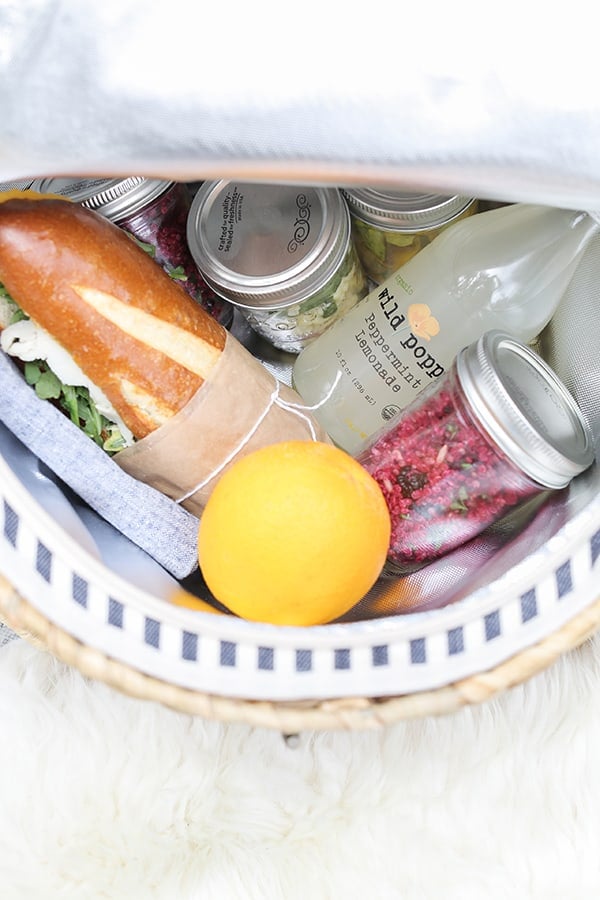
(292, 406)
(298, 409)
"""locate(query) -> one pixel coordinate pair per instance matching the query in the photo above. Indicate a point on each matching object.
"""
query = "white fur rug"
(102, 796)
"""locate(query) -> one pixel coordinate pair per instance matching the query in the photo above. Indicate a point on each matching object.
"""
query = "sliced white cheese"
(27, 341)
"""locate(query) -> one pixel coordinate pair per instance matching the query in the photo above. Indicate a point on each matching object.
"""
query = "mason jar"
(496, 430)
(388, 227)
(282, 254)
(155, 213)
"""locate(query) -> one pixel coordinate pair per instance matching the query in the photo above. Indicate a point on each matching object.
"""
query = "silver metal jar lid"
(20, 185)
(402, 210)
(526, 409)
(115, 198)
(267, 246)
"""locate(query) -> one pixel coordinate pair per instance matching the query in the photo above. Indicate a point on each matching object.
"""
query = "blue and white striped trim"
(225, 655)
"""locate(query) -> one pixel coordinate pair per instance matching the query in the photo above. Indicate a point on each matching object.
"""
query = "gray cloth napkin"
(6, 635)
(166, 531)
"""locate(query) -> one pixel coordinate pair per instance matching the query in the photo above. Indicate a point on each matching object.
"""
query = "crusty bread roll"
(129, 327)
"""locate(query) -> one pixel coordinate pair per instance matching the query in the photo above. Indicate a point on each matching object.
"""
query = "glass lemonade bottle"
(505, 269)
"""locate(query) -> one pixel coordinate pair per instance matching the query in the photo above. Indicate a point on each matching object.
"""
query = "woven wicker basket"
(292, 717)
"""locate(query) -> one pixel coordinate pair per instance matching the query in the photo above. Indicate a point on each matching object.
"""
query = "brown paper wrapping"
(240, 408)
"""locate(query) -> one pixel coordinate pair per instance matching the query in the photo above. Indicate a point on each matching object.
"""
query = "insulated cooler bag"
(454, 99)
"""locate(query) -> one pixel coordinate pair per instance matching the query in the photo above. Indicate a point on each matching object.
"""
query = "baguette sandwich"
(97, 326)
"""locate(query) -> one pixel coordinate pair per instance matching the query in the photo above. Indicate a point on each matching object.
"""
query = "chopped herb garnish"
(146, 247)
(459, 504)
(177, 274)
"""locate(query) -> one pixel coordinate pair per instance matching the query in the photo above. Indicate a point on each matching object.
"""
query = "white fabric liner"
(449, 96)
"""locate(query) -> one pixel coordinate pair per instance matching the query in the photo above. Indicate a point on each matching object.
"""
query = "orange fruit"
(181, 597)
(295, 533)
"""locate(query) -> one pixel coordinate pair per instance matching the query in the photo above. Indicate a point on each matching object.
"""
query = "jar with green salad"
(282, 254)
(389, 227)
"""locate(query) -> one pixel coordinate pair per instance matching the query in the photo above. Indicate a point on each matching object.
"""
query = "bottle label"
(506, 269)
(392, 351)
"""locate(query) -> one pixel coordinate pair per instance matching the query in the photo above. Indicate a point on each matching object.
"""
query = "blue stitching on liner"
(529, 607)
(11, 524)
(380, 655)
(492, 625)
(456, 641)
(595, 546)
(152, 632)
(564, 580)
(189, 646)
(43, 561)
(79, 590)
(228, 653)
(115, 613)
(418, 652)
(266, 658)
(303, 660)
(342, 659)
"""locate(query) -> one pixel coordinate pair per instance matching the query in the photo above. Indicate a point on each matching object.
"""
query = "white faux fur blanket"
(103, 796)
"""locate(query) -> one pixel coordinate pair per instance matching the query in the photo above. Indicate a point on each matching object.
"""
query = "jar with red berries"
(496, 430)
